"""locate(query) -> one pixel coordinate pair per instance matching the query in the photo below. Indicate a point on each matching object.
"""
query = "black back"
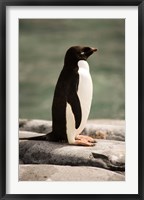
(65, 92)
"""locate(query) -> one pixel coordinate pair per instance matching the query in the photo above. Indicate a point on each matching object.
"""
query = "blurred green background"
(42, 46)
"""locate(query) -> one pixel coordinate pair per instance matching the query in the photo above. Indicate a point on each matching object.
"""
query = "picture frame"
(3, 98)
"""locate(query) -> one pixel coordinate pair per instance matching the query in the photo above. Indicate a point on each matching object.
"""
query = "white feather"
(85, 91)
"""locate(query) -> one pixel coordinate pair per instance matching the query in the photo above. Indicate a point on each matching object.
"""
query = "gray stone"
(35, 125)
(66, 173)
(100, 129)
(108, 154)
(49, 161)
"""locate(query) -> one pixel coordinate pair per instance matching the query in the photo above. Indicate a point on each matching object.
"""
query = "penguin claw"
(87, 138)
(83, 142)
(94, 141)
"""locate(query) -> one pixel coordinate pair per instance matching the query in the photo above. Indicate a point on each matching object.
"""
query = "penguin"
(72, 99)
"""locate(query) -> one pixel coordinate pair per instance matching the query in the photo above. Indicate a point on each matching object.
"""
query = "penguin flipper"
(73, 100)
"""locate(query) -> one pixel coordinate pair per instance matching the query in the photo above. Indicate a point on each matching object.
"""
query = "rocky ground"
(49, 161)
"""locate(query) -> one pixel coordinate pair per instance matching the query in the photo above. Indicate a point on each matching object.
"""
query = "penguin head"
(76, 53)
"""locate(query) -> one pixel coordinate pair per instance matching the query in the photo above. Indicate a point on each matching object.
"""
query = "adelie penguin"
(72, 99)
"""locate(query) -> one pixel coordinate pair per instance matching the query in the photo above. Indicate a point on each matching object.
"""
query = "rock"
(35, 125)
(110, 132)
(66, 173)
(108, 154)
(107, 122)
(100, 129)
(49, 161)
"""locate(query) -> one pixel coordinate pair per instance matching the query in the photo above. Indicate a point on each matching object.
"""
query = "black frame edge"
(141, 97)
(3, 4)
(72, 2)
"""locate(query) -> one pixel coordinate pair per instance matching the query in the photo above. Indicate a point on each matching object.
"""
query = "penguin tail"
(47, 137)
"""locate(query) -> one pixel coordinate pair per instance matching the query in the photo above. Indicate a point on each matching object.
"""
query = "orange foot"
(84, 140)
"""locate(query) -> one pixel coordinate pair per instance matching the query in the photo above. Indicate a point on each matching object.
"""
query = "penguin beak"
(93, 49)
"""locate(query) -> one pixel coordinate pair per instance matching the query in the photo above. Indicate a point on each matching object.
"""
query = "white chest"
(85, 90)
